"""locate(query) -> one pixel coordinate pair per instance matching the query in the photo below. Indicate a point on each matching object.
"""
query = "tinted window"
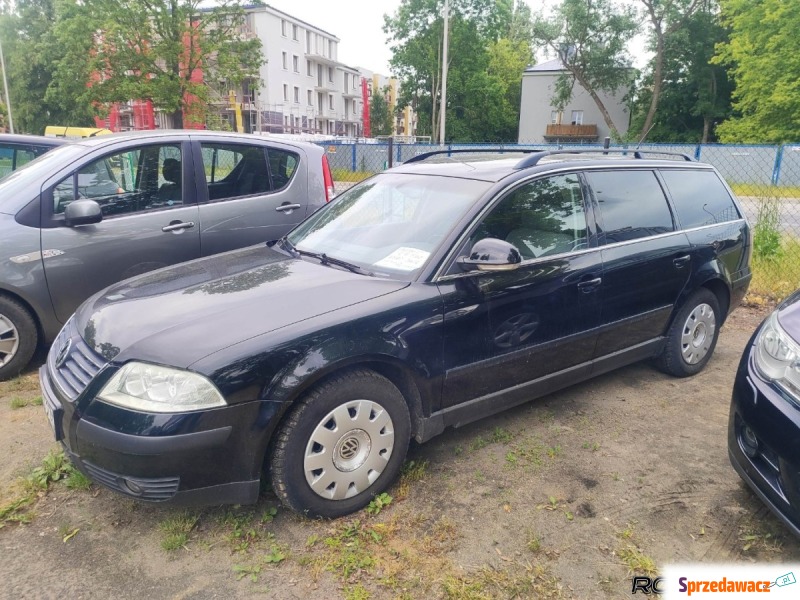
(700, 198)
(235, 170)
(282, 165)
(542, 218)
(13, 157)
(632, 204)
(136, 180)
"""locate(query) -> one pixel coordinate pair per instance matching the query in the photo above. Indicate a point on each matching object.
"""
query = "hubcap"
(9, 340)
(348, 449)
(698, 334)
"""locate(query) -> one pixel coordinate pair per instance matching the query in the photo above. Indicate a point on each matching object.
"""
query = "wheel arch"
(18, 298)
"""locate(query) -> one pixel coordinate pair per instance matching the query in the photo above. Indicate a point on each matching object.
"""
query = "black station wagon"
(428, 296)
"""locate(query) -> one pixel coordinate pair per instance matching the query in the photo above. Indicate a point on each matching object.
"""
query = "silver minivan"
(103, 209)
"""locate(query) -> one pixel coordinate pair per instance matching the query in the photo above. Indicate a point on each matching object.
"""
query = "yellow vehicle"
(74, 132)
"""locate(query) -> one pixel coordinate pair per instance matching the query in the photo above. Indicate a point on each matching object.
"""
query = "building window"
(330, 73)
(285, 92)
(308, 42)
(345, 82)
(295, 33)
(331, 101)
(308, 68)
(296, 64)
(310, 98)
(577, 117)
(283, 28)
(297, 95)
(285, 60)
(555, 117)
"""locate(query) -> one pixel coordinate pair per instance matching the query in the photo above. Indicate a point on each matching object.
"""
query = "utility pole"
(5, 87)
(443, 106)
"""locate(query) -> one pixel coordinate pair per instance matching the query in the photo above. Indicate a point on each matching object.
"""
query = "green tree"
(151, 49)
(590, 39)
(695, 93)
(32, 53)
(484, 72)
(763, 57)
(380, 117)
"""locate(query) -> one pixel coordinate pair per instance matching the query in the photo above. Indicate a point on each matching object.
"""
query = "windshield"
(390, 224)
(13, 188)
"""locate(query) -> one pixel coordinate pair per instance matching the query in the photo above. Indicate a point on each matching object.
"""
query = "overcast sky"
(358, 23)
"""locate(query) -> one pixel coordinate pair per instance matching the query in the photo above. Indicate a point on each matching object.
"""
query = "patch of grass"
(77, 481)
(636, 561)
(350, 176)
(534, 543)
(778, 274)
(761, 190)
(176, 529)
(501, 435)
(18, 402)
(593, 446)
(21, 383)
(413, 470)
(356, 592)
(250, 571)
(526, 581)
(350, 554)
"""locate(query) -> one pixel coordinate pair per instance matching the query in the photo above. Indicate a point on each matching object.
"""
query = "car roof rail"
(499, 150)
(534, 158)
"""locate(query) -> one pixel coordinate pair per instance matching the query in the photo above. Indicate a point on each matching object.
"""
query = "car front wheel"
(343, 444)
(18, 338)
(692, 337)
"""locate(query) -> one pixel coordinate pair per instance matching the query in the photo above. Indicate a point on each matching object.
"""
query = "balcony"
(321, 58)
(571, 132)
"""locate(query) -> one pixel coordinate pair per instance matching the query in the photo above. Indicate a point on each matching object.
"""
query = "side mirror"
(82, 212)
(491, 254)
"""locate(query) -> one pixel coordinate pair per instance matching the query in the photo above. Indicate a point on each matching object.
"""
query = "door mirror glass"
(82, 212)
(490, 254)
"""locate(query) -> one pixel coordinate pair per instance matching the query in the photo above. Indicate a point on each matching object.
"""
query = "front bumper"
(204, 457)
(772, 466)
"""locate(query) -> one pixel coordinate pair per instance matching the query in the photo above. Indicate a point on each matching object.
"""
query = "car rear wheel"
(692, 337)
(343, 444)
(18, 338)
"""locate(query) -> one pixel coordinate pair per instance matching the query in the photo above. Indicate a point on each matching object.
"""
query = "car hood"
(180, 314)
(789, 315)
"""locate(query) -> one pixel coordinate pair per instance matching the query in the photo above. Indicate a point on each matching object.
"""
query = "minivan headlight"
(777, 356)
(153, 388)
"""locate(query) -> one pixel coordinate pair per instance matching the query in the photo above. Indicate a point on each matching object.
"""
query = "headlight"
(151, 388)
(777, 356)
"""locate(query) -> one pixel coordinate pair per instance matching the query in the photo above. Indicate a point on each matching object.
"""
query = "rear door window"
(235, 170)
(700, 198)
(632, 205)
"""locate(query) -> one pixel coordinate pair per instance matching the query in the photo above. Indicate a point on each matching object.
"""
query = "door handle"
(177, 226)
(287, 208)
(590, 285)
(681, 261)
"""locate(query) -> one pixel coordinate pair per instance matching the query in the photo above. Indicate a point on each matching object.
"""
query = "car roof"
(494, 167)
(36, 140)
(101, 140)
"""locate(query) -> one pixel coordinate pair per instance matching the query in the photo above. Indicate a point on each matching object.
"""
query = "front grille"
(78, 365)
(153, 490)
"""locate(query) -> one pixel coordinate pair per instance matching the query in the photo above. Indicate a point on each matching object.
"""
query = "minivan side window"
(136, 180)
(235, 170)
(632, 205)
(541, 218)
(700, 198)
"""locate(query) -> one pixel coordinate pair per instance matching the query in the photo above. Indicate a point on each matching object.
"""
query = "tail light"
(328, 179)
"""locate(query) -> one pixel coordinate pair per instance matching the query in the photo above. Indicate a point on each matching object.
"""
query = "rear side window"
(235, 170)
(700, 198)
(632, 205)
(283, 165)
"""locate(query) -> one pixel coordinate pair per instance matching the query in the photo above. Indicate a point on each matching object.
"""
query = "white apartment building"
(305, 89)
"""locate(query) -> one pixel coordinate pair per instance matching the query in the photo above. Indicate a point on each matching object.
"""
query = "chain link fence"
(766, 179)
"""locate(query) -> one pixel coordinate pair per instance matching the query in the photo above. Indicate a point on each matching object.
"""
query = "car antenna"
(646, 133)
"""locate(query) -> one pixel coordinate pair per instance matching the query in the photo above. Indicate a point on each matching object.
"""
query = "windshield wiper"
(284, 244)
(324, 259)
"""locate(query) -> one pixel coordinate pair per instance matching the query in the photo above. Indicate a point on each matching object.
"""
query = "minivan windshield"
(391, 224)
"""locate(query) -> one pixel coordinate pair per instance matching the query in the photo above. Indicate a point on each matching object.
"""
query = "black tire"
(15, 323)
(673, 358)
(311, 415)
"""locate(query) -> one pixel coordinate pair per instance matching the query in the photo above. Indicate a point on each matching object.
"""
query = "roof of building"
(554, 65)
(265, 7)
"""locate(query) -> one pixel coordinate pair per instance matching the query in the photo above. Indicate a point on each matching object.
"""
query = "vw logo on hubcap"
(349, 448)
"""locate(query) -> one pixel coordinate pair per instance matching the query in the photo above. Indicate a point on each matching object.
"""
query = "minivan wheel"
(342, 444)
(692, 337)
(18, 338)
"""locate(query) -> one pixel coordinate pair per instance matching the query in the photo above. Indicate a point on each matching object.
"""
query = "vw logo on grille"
(349, 448)
(61, 358)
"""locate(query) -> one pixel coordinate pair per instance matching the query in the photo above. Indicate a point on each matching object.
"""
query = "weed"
(269, 514)
(251, 571)
(569, 516)
(593, 446)
(77, 481)
(414, 470)
(176, 530)
(18, 402)
(478, 443)
(501, 435)
(275, 555)
(553, 451)
(458, 450)
(636, 561)
(378, 503)
(534, 543)
(349, 554)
